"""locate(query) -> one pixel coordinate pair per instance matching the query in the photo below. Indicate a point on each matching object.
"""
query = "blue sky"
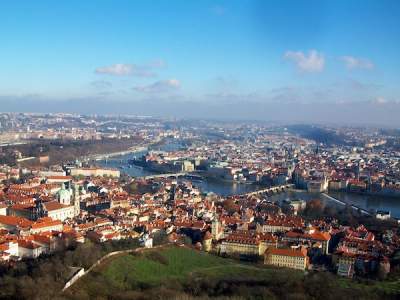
(244, 53)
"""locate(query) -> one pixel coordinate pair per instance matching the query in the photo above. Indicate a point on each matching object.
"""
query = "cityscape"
(200, 150)
(304, 197)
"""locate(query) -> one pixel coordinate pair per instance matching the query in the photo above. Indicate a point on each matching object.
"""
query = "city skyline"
(303, 61)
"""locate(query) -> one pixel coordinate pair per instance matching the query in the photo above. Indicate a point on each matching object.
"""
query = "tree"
(230, 206)
(160, 237)
(132, 188)
(330, 211)
(346, 216)
(314, 208)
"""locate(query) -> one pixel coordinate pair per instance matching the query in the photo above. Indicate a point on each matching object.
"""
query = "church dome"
(64, 196)
(63, 193)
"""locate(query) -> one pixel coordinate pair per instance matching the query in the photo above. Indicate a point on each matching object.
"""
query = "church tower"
(76, 199)
(216, 228)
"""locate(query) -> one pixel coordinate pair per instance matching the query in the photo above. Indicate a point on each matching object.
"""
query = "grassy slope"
(131, 272)
(181, 263)
(389, 287)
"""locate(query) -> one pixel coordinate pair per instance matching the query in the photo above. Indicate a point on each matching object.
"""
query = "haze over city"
(296, 61)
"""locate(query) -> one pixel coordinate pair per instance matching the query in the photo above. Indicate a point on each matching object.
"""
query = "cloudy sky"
(302, 61)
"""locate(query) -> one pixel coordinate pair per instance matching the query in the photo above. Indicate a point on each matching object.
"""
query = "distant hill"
(319, 134)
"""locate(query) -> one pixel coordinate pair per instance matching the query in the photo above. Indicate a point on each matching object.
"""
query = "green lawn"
(152, 269)
(180, 264)
(176, 263)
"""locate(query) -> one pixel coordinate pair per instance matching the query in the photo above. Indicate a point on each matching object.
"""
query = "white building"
(383, 215)
(58, 211)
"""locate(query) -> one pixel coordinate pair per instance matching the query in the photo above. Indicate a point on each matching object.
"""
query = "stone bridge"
(166, 175)
(272, 189)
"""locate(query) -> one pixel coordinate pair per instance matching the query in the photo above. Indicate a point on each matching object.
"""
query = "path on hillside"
(73, 280)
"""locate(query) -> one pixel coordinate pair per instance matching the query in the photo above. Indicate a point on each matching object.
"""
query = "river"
(369, 202)
(224, 188)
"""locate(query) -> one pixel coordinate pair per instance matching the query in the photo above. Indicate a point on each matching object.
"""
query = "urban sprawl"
(49, 200)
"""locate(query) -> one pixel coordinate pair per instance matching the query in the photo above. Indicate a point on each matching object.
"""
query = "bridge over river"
(272, 189)
(340, 202)
(166, 175)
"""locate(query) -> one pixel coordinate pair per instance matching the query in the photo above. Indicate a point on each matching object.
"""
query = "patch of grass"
(250, 272)
(157, 257)
(156, 266)
(386, 287)
(172, 270)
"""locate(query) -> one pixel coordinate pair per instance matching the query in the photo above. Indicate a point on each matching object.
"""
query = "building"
(298, 205)
(120, 200)
(317, 186)
(47, 173)
(207, 242)
(46, 224)
(58, 211)
(64, 196)
(8, 249)
(383, 215)
(280, 223)
(314, 237)
(28, 249)
(246, 243)
(337, 185)
(187, 166)
(288, 258)
(14, 224)
(346, 265)
(95, 172)
(3, 210)
(58, 179)
(239, 244)
(216, 229)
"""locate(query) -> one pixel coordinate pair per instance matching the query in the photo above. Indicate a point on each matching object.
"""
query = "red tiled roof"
(317, 235)
(287, 252)
(27, 244)
(53, 205)
(15, 221)
(59, 177)
(46, 223)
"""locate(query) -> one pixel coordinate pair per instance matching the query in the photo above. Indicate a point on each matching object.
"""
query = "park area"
(183, 273)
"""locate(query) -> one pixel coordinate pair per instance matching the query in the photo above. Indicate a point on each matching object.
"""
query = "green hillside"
(182, 273)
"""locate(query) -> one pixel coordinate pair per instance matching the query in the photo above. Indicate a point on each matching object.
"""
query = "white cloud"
(352, 62)
(380, 101)
(119, 69)
(159, 86)
(116, 69)
(313, 62)
(101, 84)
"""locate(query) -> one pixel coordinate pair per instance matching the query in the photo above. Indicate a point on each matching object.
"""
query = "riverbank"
(363, 211)
(370, 203)
(131, 150)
